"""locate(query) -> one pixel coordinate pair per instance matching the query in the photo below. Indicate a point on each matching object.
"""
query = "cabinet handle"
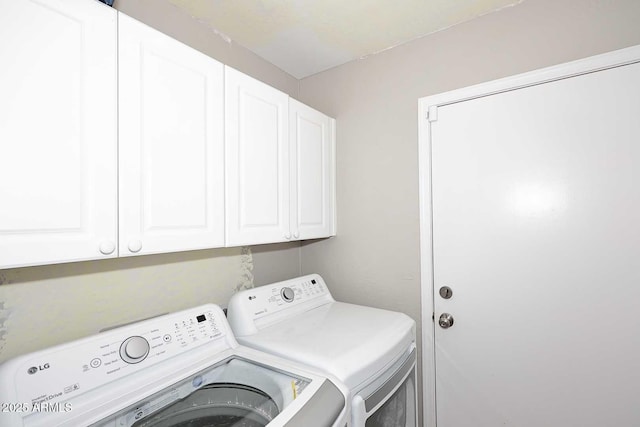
(287, 236)
(296, 234)
(135, 246)
(107, 247)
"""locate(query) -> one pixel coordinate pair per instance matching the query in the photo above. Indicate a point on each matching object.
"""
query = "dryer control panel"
(66, 371)
(254, 309)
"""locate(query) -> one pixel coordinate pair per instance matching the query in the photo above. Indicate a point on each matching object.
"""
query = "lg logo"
(32, 370)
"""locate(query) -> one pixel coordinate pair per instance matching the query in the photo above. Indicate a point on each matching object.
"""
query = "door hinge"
(433, 317)
(432, 113)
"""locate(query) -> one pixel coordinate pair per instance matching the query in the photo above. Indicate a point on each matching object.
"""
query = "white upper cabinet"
(117, 140)
(171, 139)
(312, 148)
(280, 165)
(58, 142)
(257, 161)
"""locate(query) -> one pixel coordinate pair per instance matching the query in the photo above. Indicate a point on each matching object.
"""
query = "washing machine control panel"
(65, 371)
(252, 309)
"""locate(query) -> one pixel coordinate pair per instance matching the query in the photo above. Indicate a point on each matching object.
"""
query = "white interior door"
(536, 200)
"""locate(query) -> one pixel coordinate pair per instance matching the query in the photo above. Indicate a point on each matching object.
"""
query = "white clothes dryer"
(180, 369)
(372, 351)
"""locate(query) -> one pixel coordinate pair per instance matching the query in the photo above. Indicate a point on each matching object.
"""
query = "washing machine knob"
(287, 294)
(134, 349)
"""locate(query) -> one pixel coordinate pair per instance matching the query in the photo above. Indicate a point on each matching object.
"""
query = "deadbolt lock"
(446, 292)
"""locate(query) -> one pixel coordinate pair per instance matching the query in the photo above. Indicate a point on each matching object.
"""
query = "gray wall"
(375, 257)
(167, 18)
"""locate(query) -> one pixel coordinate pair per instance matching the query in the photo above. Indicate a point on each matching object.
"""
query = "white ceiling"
(304, 37)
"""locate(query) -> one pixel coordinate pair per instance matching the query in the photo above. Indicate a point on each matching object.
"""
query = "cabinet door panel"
(58, 182)
(257, 179)
(171, 144)
(312, 191)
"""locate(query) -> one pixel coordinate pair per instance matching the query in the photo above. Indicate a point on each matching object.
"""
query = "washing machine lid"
(248, 389)
(233, 392)
(355, 343)
(87, 381)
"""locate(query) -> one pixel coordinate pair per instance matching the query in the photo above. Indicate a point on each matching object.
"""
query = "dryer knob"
(287, 294)
(134, 349)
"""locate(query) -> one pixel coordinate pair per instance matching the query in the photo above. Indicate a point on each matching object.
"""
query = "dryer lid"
(355, 343)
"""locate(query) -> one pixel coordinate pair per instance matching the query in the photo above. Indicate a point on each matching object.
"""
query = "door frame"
(428, 112)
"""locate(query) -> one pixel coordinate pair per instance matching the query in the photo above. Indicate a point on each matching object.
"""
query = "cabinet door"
(312, 142)
(58, 183)
(257, 174)
(171, 144)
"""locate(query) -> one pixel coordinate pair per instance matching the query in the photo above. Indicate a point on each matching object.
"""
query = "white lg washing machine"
(372, 351)
(180, 369)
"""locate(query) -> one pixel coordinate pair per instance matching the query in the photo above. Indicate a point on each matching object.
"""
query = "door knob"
(445, 321)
